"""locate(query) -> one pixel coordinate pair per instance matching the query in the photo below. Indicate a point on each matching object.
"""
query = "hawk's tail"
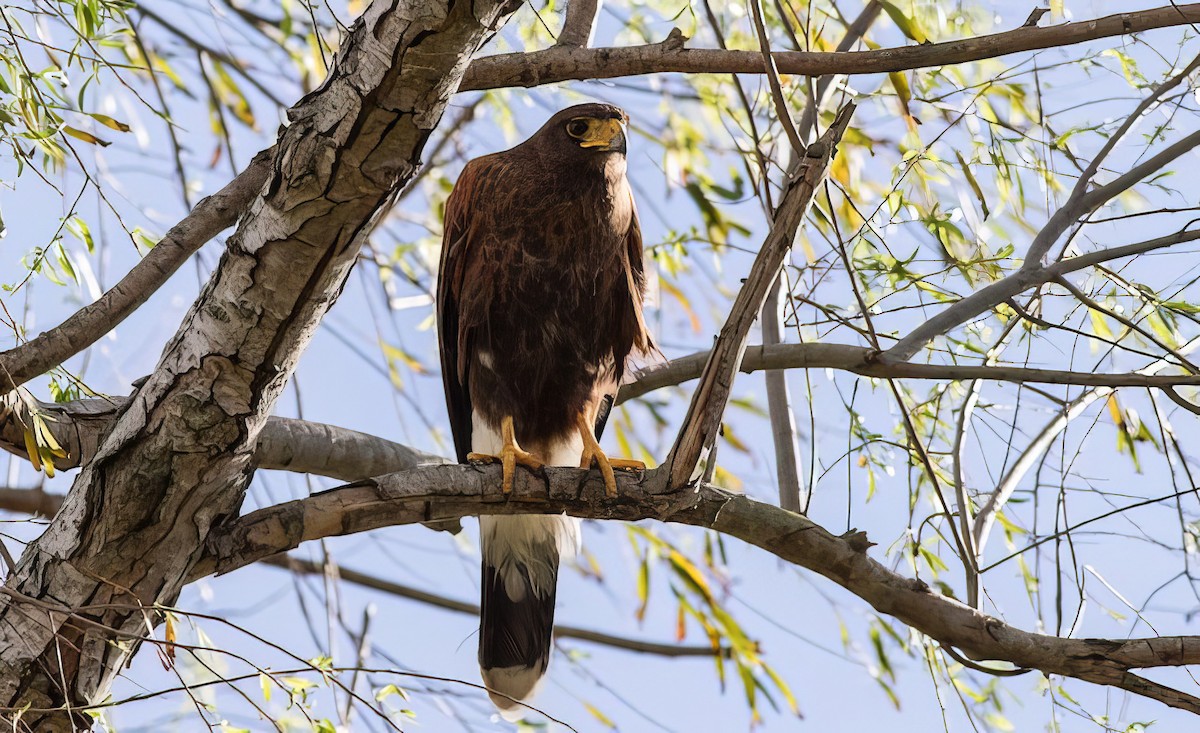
(520, 572)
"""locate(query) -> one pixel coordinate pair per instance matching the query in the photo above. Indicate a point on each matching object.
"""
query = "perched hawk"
(539, 304)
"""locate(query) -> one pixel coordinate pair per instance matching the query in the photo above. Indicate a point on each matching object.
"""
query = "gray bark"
(176, 462)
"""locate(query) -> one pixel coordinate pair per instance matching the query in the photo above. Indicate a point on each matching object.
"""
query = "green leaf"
(79, 228)
(643, 587)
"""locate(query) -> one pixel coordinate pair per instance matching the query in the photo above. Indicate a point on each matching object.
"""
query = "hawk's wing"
(632, 334)
(465, 220)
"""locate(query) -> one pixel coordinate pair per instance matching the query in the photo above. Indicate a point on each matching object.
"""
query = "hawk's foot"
(593, 454)
(511, 456)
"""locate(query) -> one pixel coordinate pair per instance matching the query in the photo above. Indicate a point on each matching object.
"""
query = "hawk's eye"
(577, 128)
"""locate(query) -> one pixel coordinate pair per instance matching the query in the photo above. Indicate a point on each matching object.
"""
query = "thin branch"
(563, 63)
(561, 631)
(865, 362)
(90, 323)
(708, 403)
(1129, 323)
(854, 34)
(781, 108)
(1032, 272)
(779, 408)
(779, 400)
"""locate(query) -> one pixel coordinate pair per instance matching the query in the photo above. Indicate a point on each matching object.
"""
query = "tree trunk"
(178, 459)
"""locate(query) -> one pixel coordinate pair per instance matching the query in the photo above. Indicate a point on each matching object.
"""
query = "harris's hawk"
(539, 305)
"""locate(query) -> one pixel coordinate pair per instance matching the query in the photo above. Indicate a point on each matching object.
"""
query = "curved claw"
(593, 454)
(511, 456)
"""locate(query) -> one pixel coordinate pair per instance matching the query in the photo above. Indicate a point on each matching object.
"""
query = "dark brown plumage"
(539, 306)
(542, 271)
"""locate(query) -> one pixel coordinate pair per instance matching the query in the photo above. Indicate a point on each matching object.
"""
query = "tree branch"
(446, 492)
(580, 23)
(703, 418)
(177, 460)
(327, 450)
(561, 631)
(1032, 273)
(33, 501)
(285, 444)
(564, 63)
(982, 526)
(863, 361)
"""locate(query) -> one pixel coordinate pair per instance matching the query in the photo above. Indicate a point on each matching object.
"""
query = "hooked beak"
(606, 135)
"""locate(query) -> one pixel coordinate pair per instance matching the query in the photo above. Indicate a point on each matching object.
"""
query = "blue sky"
(798, 617)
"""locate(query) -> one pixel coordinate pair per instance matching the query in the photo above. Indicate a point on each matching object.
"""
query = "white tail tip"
(513, 684)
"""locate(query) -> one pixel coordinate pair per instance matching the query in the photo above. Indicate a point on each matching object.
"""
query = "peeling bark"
(177, 461)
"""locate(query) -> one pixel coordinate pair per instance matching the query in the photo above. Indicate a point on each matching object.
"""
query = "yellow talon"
(511, 456)
(593, 453)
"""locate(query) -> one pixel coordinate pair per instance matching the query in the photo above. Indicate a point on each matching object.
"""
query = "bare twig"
(1032, 272)
(781, 107)
(982, 526)
(561, 631)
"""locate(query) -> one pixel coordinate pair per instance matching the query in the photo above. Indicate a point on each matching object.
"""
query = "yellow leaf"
(169, 636)
(87, 137)
(1114, 409)
(643, 588)
(676, 293)
(31, 448)
(604, 719)
(109, 122)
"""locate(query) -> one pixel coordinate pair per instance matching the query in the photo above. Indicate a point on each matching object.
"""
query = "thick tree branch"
(33, 501)
(563, 63)
(177, 460)
(446, 492)
(285, 444)
(340, 453)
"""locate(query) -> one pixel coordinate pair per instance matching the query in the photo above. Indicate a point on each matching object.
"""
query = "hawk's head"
(584, 132)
